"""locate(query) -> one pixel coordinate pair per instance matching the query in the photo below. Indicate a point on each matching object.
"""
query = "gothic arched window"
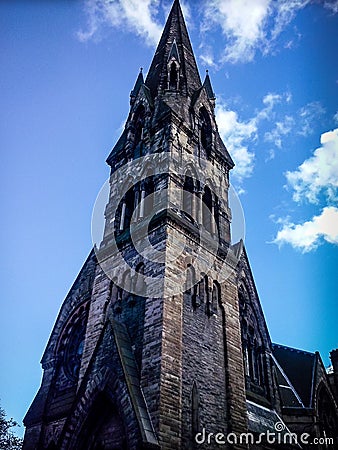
(188, 192)
(138, 123)
(173, 77)
(215, 297)
(126, 209)
(207, 208)
(328, 421)
(148, 186)
(190, 288)
(205, 130)
(252, 344)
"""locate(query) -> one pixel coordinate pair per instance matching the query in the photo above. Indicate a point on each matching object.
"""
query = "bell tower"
(147, 349)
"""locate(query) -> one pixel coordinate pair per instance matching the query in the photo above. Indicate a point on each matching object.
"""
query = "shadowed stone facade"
(162, 335)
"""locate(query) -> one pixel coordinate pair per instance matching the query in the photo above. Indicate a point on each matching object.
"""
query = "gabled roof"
(117, 147)
(299, 367)
(174, 52)
(174, 30)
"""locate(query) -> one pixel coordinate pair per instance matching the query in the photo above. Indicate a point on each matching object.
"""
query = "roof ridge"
(293, 349)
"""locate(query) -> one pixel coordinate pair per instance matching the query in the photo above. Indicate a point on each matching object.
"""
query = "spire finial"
(138, 84)
(207, 85)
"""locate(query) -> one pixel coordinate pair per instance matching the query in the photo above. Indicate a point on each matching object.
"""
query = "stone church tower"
(162, 338)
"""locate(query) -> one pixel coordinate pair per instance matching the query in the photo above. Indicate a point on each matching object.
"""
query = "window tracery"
(252, 344)
(72, 343)
(205, 291)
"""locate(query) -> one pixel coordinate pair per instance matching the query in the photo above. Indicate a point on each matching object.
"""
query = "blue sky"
(67, 71)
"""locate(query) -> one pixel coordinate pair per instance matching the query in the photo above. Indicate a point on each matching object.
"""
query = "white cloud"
(134, 15)
(285, 11)
(319, 173)
(282, 128)
(308, 235)
(302, 124)
(308, 115)
(335, 117)
(316, 179)
(332, 5)
(242, 22)
(207, 56)
(271, 99)
(236, 135)
(251, 25)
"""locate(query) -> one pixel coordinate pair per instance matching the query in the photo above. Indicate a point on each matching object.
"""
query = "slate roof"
(261, 419)
(134, 387)
(118, 147)
(299, 366)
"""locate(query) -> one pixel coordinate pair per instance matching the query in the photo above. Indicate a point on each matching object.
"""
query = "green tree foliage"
(8, 440)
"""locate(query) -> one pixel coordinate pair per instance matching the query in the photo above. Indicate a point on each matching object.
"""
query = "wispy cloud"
(137, 16)
(207, 56)
(239, 135)
(302, 123)
(308, 235)
(331, 5)
(281, 129)
(236, 134)
(251, 25)
(283, 13)
(319, 173)
(335, 117)
(308, 115)
(242, 23)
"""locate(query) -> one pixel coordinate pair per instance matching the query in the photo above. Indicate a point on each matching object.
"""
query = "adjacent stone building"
(161, 342)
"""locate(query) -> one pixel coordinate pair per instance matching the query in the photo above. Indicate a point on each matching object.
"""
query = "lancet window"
(137, 203)
(173, 76)
(252, 343)
(205, 130)
(189, 195)
(138, 124)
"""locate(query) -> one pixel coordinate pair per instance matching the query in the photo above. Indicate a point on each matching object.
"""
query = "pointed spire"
(174, 38)
(137, 86)
(208, 87)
